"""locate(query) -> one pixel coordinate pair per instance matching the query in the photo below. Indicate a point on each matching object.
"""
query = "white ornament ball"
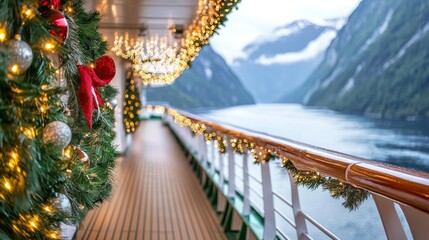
(20, 56)
(57, 133)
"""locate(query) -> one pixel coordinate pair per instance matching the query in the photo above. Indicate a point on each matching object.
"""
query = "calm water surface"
(396, 142)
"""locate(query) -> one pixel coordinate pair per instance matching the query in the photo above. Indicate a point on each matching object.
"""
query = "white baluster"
(221, 201)
(301, 226)
(267, 193)
(221, 169)
(204, 152)
(415, 218)
(231, 170)
(246, 187)
(212, 159)
(391, 223)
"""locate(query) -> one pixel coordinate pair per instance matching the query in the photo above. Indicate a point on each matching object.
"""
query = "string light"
(352, 195)
(154, 59)
(69, 9)
(174, 59)
(27, 13)
(131, 115)
(29, 132)
(43, 109)
(54, 235)
(67, 153)
(14, 69)
(7, 185)
(3, 33)
(14, 159)
(48, 209)
(49, 45)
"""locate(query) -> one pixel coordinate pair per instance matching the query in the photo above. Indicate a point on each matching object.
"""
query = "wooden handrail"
(405, 186)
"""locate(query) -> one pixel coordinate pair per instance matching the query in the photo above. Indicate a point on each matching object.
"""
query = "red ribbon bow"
(90, 80)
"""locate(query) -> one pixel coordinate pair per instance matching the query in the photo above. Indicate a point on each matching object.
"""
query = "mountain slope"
(378, 64)
(208, 83)
(280, 62)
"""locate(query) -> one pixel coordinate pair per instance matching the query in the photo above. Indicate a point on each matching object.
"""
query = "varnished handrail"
(405, 186)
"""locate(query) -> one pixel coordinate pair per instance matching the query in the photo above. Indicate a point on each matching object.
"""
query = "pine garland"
(131, 104)
(33, 174)
(353, 196)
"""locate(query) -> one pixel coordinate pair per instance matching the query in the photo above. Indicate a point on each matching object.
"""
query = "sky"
(257, 18)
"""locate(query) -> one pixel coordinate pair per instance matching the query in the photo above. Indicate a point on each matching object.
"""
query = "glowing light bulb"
(48, 209)
(49, 46)
(27, 13)
(7, 185)
(67, 152)
(14, 68)
(3, 34)
(29, 132)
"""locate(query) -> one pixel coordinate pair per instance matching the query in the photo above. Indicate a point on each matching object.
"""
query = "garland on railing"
(352, 196)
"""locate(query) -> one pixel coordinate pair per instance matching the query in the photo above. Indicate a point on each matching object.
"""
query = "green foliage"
(33, 173)
(390, 73)
(131, 104)
(353, 197)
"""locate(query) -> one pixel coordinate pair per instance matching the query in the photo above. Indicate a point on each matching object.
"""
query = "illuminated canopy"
(159, 60)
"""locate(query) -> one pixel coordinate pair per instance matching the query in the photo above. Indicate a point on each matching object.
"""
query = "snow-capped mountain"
(378, 63)
(279, 62)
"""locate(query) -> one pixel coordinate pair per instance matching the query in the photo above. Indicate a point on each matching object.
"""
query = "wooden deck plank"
(157, 195)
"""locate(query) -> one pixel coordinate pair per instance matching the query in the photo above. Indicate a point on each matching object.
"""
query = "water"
(400, 143)
(396, 142)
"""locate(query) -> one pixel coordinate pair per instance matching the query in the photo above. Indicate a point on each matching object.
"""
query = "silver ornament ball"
(57, 133)
(20, 56)
(63, 203)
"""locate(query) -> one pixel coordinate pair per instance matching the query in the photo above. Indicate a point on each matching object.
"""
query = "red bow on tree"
(90, 80)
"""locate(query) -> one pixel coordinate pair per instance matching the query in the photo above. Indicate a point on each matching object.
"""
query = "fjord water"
(402, 143)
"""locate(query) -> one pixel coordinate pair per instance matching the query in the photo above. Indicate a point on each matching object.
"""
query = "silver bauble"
(114, 102)
(68, 230)
(20, 56)
(62, 203)
(57, 133)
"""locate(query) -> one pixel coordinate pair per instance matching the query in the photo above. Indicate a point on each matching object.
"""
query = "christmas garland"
(352, 196)
(131, 104)
(56, 152)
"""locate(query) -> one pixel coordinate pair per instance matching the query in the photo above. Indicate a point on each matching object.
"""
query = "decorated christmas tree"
(131, 104)
(56, 123)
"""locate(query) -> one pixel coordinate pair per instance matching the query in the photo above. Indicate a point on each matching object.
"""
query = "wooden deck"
(157, 195)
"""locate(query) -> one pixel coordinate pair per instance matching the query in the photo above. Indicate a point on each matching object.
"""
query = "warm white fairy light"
(170, 65)
(155, 60)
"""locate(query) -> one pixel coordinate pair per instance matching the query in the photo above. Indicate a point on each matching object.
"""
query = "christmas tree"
(56, 152)
(131, 104)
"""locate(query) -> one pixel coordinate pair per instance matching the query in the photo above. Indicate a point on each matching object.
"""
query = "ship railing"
(389, 185)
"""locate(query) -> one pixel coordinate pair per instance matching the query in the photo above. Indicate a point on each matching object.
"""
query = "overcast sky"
(256, 18)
